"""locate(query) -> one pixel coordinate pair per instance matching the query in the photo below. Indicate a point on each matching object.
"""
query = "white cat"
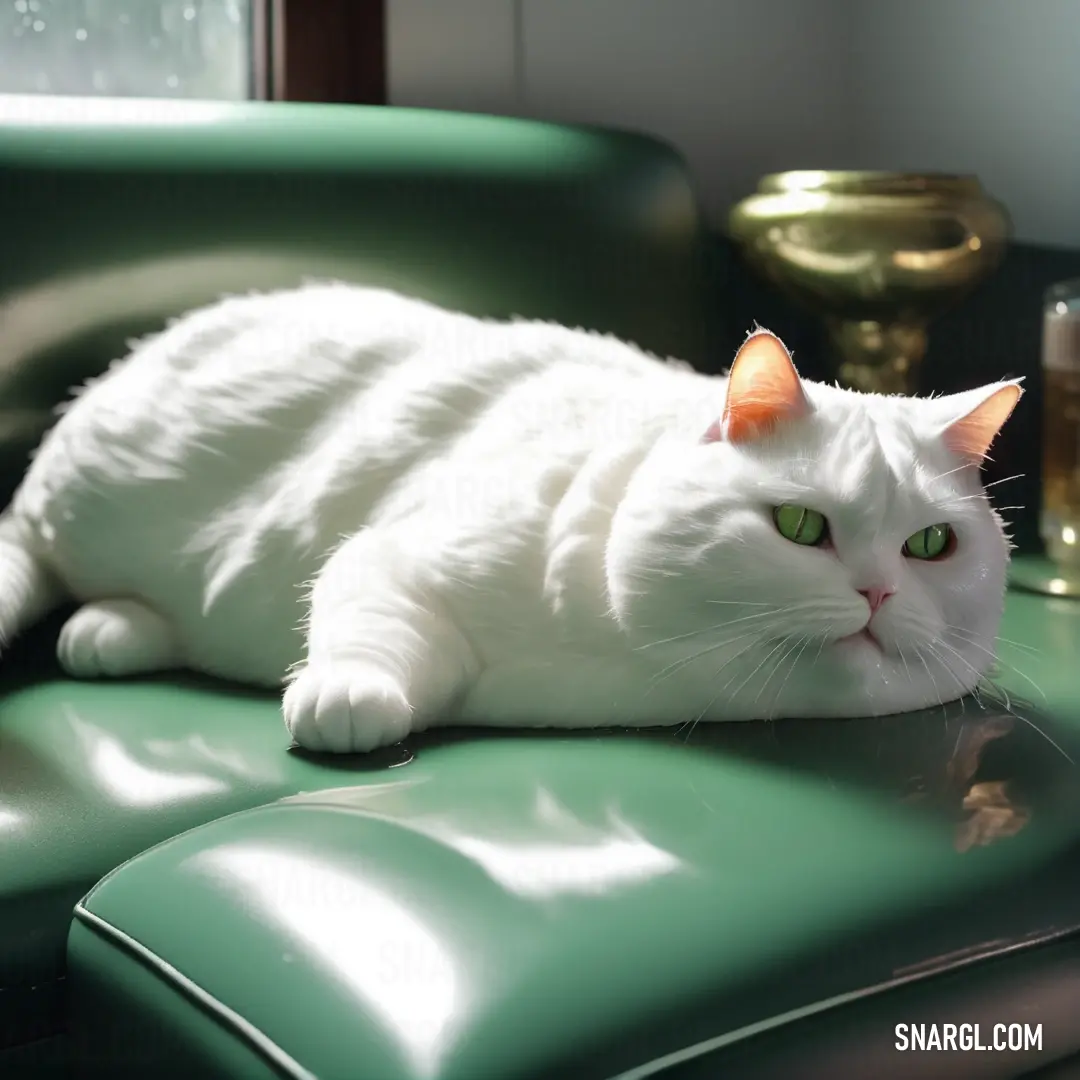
(431, 518)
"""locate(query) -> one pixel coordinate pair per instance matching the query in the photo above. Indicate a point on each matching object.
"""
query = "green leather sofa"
(183, 895)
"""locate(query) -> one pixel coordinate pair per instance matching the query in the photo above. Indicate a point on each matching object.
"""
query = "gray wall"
(744, 87)
(984, 86)
(741, 88)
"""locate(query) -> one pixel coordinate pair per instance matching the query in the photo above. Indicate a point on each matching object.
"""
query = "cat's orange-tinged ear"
(763, 390)
(984, 413)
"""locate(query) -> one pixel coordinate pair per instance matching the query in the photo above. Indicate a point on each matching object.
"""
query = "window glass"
(127, 48)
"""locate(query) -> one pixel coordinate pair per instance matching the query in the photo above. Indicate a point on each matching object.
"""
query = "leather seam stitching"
(227, 1017)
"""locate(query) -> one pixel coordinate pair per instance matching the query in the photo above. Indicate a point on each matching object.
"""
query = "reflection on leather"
(993, 816)
(378, 947)
(569, 856)
(991, 813)
(982, 769)
(979, 771)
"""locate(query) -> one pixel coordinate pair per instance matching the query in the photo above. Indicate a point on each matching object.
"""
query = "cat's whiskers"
(1031, 723)
(1010, 706)
(960, 631)
(997, 688)
(986, 487)
(697, 719)
(903, 660)
(773, 669)
(979, 676)
(683, 661)
(735, 693)
(740, 603)
(824, 641)
(807, 639)
(1004, 480)
(997, 659)
(777, 666)
(933, 681)
(961, 685)
(951, 472)
(708, 629)
(693, 723)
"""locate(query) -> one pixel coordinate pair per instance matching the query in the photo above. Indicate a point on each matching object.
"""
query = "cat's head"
(820, 552)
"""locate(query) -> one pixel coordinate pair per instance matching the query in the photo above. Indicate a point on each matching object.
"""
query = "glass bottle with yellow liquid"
(1060, 520)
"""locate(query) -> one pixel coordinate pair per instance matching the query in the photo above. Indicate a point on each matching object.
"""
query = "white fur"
(430, 518)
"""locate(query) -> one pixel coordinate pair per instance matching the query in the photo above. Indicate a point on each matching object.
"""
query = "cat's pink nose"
(875, 597)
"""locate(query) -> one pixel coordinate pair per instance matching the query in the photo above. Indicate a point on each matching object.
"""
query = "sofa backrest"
(122, 213)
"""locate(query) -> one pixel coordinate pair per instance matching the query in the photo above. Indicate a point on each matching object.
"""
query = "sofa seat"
(91, 773)
(528, 905)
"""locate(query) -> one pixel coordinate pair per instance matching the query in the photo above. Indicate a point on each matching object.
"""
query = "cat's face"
(836, 557)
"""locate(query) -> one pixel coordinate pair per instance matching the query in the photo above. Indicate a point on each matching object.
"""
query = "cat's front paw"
(346, 708)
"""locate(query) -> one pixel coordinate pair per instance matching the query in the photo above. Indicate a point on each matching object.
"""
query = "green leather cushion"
(90, 774)
(551, 905)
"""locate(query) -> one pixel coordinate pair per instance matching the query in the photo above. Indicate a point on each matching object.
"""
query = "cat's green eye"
(801, 525)
(929, 543)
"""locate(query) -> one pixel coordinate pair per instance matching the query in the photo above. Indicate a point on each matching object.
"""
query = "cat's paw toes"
(346, 708)
(115, 638)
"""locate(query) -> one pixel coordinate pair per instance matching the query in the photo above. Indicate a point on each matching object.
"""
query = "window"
(307, 50)
(127, 48)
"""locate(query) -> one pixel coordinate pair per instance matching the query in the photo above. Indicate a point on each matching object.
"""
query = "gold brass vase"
(877, 254)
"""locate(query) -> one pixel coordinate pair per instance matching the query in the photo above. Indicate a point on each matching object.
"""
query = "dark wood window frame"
(319, 50)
